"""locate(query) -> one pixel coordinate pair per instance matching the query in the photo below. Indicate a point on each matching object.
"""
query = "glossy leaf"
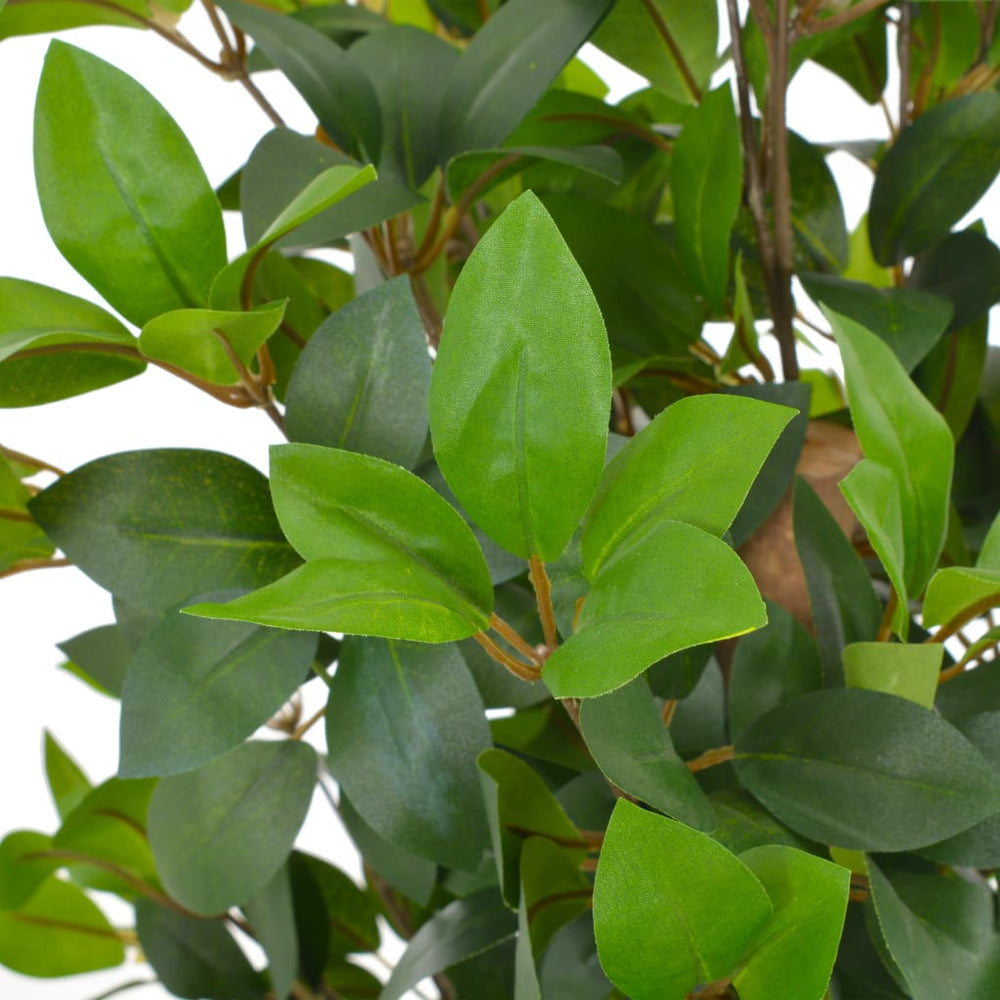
(463, 929)
(336, 89)
(58, 932)
(769, 667)
(100, 656)
(958, 589)
(706, 179)
(194, 958)
(196, 689)
(933, 175)
(196, 339)
(664, 472)
(675, 587)
(150, 236)
(536, 400)
(404, 727)
(907, 671)
(625, 733)
(155, 527)
(795, 953)
(489, 92)
(839, 766)
(361, 383)
(221, 832)
(34, 320)
(681, 924)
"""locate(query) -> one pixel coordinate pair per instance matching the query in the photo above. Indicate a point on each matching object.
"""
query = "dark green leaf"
(570, 969)
(706, 178)
(744, 823)
(770, 666)
(817, 212)
(361, 383)
(157, 526)
(194, 958)
(336, 89)
(553, 891)
(857, 54)
(537, 398)
(123, 194)
(221, 832)
(680, 924)
(404, 727)
(632, 746)
(272, 917)
(197, 688)
(68, 785)
(463, 929)
(676, 586)
(38, 328)
(839, 766)
(58, 932)
(907, 671)
(844, 606)
(933, 174)
(100, 656)
(694, 463)
(507, 67)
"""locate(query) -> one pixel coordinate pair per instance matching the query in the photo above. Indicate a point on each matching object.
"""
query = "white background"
(41, 608)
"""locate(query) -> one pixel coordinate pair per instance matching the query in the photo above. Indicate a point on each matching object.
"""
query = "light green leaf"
(362, 381)
(196, 689)
(58, 932)
(838, 766)
(631, 745)
(679, 924)
(122, 192)
(907, 671)
(958, 590)
(220, 833)
(871, 490)
(404, 726)
(675, 587)
(694, 463)
(795, 952)
(25, 863)
(43, 16)
(553, 891)
(523, 376)
(196, 339)
(706, 178)
(68, 785)
(933, 175)
(155, 527)
(901, 430)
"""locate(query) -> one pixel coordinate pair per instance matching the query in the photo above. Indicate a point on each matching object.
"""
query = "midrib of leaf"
(216, 541)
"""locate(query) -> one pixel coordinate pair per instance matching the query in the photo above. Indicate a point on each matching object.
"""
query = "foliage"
(601, 724)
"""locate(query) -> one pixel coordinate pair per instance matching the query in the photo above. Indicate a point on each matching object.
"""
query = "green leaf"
(631, 35)
(196, 339)
(463, 929)
(570, 969)
(818, 223)
(933, 174)
(844, 606)
(960, 589)
(911, 322)
(55, 345)
(873, 495)
(744, 823)
(680, 924)
(194, 958)
(58, 932)
(631, 745)
(196, 689)
(122, 192)
(838, 766)
(769, 667)
(907, 671)
(553, 891)
(795, 953)
(155, 527)
(394, 58)
(404, 726)
(507, 67)
(901, 430)
(361, 383)
(676, 586)
(336, 89)
(221, 832)
(536, 400)
(694, 463)
(20, 537)
(100, 657)
(706, 179)
(67, 782)
(24, 866)
(272, 917)
(57, 15)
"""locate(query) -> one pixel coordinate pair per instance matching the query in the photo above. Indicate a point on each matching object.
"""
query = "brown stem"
(669, 707)
(543, 595)
(26, 565)
(665, 33)
(132, 984)
(885, 628)
(433, 221)
(815, 26)
(710, 758)
(514, 638)
(989, 26)
(22, 459)
(526, 671)
(966, 615)
(7, 514)
(558, 897)
(304, 727)
(430, 315)
(904, 48)
(763, 18)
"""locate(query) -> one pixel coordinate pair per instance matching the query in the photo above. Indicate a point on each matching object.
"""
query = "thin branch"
(304, 728)
(433, 221)
(525, 671)
(966, 615)
(26, 565)
(22, 459)
(885, 628)
(21, 516)
(663, 30)
(816, 26)
(543, 595)
(904, 46)
(514, 638)
(710, 758)
(132, 984)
